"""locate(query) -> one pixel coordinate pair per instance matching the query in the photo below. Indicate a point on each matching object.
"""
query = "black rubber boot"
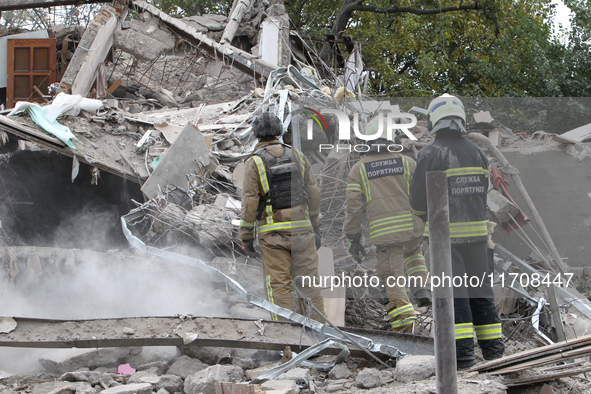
(465, 364)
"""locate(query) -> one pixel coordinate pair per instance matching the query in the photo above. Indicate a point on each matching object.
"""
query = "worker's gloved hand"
(248, 248)
(355, 247)
(318, 237)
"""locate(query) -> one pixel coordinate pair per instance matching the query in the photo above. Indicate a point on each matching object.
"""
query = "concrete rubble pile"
(129, 370)
(178, 100)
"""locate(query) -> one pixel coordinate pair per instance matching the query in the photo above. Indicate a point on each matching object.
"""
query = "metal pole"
(443, 299)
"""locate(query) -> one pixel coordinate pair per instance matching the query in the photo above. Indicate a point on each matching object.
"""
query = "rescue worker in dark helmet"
(467, 172)
(378, 186)
(280, 198)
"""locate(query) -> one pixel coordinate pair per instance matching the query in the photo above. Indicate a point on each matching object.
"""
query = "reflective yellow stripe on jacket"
(464, 229)
(265, 184)
(391, 224)
(467, 171)
(365, 181)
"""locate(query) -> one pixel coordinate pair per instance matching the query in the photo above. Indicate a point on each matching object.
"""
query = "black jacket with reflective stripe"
(466, 167)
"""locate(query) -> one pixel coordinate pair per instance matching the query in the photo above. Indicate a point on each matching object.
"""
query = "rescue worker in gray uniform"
(467, 172)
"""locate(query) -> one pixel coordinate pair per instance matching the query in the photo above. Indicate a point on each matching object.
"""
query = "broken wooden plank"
(531, 354)
(547, 377)
(242, 60)
(114, 86)
(9, 5)
(562, 356)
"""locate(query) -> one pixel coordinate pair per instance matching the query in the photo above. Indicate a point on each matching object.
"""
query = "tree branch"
(413, 10)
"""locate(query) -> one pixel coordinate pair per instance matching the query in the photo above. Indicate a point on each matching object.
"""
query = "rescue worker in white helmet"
(467, 172)
(378, 187)
(280, 198)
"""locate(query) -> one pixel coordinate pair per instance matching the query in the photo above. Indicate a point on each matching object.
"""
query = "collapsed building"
(133, 211)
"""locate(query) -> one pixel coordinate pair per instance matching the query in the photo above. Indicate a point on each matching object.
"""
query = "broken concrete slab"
(246, 62)
(134, 388)
(92, 51)
(91, 377)
(76, 387)
(170, 382)
(209, 23)
(204, 381)
(414, 368)
(209, 355)
(211, 225)
(146, 40)
(160, 365)
(299, 375)
(281, 386)
(185, 366)
(90, 359)
(178, 162)
(368, 378)
(339, 371)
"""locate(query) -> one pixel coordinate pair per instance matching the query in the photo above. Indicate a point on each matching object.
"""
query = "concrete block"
(75, 387)
(171, 383)
(91, 377)
(414, 368)
(281, 385)
(339, 371)
(254, 373)
(90, 359)
(299, 375)
(161, 366)
(209, 355)
(369, 378)
(186, 366)
(145, 40)
(482, 117)
(92, 51)
(178, 161)
(134, 388)
(211, 225)
(204, 381)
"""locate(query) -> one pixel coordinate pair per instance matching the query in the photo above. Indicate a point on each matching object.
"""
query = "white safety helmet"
(447, 110)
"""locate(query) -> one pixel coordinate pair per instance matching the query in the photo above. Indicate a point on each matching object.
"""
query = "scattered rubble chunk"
(281, 385)
(60, 387)
(145, 40)
(209, 355)
(415, 368)
(91, 359)
(134, 388)
(160, 365)
(185, 366)
(204, 381)
(339, 371)
(368, 378)
(91, 377)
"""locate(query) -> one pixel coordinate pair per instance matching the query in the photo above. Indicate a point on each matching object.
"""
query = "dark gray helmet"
(267, 125)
